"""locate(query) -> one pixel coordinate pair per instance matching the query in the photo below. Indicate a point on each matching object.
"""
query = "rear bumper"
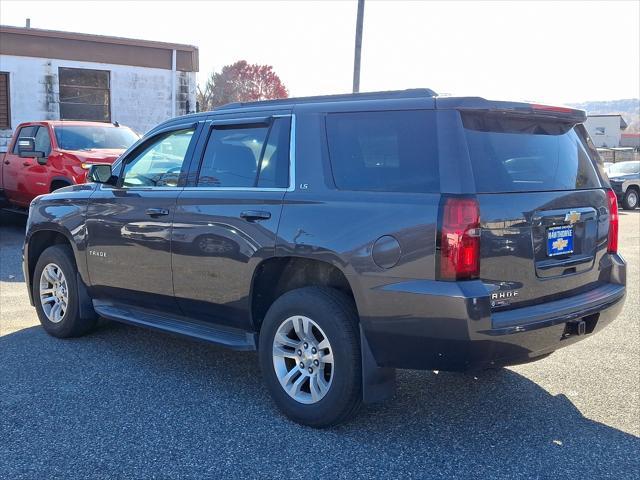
(450, 326)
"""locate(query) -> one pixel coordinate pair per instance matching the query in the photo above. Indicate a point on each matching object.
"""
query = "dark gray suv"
(342, 237)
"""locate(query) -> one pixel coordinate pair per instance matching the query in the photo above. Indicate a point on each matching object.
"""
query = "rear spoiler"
(519, 109)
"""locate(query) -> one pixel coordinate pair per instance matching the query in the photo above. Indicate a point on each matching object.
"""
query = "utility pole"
(356, 60)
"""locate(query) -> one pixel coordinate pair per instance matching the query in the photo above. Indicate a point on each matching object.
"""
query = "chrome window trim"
(235, 189)
(292, 154)
(140, 189)
(292, 167)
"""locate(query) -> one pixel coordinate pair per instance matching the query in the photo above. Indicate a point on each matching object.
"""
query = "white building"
(51, 75)
(605, 130)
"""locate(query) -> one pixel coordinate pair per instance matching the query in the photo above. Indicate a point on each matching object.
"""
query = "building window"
(84, 94)
(599, 130)
(5, 111)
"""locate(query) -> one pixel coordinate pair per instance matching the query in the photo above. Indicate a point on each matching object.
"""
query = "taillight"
(459, 239)
(551, 108)
(612, 245)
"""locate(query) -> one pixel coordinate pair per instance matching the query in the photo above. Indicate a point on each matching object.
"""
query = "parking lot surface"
(130, 403)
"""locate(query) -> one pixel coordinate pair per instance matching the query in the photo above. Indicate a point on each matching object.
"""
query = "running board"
(232, 338)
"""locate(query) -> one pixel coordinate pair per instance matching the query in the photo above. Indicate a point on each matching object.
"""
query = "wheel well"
(56, 184)
(634, 187)
(40, 241)
(277, 276)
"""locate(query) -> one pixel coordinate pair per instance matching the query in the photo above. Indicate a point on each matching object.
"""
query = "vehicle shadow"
(11, 218)
(126, 401)
(12, 227)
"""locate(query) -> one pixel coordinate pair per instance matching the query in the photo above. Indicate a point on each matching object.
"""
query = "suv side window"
(159, 164)
(28, 131)
(247, 156)
(43, 141)
(394, 151)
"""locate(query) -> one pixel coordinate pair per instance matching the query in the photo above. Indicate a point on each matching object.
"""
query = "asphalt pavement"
(125, 402)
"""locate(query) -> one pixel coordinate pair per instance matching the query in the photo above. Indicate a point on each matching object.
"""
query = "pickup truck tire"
(55, 294)
(58, 184)
(631, 198)
(320, 367)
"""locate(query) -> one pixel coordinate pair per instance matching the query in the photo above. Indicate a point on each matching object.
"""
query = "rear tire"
(323, 393)
(55, 294)
(631, 199)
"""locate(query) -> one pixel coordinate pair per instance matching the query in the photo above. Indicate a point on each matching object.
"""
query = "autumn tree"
(241, 82)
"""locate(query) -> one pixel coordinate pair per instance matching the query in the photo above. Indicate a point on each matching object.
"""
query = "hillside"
(628, 108)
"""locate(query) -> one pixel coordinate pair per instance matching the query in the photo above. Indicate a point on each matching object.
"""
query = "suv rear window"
(525, 155)
(393, 151)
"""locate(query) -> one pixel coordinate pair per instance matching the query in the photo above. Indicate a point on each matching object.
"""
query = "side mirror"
(27, 148)
(101, 173)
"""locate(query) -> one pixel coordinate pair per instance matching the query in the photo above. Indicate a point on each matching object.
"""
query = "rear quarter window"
(525, 155)
(394, 151)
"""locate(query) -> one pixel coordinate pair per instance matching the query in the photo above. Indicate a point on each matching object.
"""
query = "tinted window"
(29, 131)
(159, 164)
(384, 151)
(78, 137)
(524, 155)
(247, 156)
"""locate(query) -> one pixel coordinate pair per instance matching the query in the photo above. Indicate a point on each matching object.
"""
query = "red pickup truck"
(45, 156)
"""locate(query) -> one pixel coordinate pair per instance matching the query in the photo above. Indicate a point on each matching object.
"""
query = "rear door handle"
(156, 212)
(254, 215)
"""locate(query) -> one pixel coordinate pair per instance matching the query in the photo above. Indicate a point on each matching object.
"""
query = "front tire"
(55, 294)
(631, 199)
(310, 356)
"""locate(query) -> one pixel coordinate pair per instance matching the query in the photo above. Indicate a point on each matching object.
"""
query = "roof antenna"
(116, 124)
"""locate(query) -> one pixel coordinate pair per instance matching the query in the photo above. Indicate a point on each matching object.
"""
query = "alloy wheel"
(54, 293)
(303, 359)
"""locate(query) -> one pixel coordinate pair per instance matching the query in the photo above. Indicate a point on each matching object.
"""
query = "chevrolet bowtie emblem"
(572, 217)
(560, 244)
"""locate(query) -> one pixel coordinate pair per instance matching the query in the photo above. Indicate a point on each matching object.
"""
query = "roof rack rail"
(391, 94)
